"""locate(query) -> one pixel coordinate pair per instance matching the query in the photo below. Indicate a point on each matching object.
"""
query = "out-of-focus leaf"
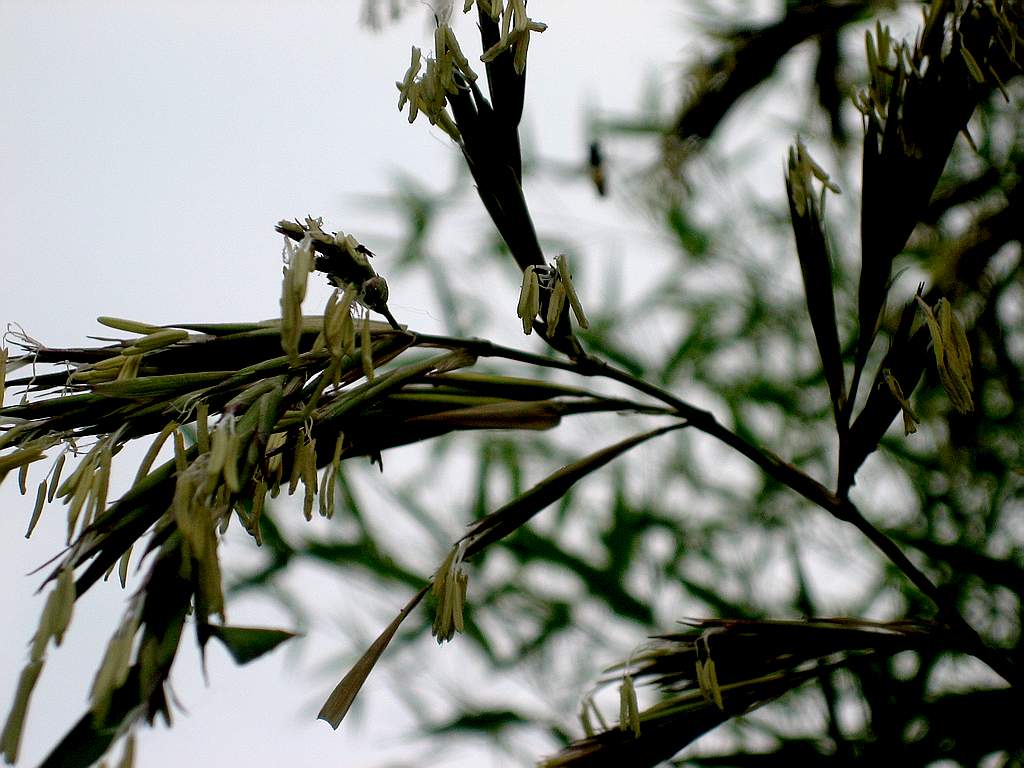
(749, 58)
(517, 512)
(246, 644)
(341, 698)
(487, 722)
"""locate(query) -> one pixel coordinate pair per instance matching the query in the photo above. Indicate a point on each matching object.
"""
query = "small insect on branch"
(345, 261)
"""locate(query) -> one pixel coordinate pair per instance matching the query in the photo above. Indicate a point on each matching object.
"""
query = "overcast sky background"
(146, 151)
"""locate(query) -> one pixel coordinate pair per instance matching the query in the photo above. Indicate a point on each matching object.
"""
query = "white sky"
(146, 151)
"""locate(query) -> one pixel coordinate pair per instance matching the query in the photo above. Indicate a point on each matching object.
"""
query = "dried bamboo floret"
(952, 353)
(910, 419)
(629, 709)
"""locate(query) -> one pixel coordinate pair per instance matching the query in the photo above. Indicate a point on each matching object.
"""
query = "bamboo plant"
(245, 410)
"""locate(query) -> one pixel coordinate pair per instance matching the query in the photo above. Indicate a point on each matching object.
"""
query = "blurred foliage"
(796, 342)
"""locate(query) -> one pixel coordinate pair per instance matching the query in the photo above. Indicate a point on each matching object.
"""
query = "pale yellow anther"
(910, 419)
(529, 299)
(952, 353)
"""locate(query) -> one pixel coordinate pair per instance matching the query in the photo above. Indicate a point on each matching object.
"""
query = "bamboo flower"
(515, 35)
(910, 419)
(449, 591)
(952, 353)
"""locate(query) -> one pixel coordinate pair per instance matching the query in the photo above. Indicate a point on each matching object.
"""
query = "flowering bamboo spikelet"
(875, 98)
(180, 456)
(64, 604)
(128, 326)
(58, 467)
(556, 303)
(802, 169)
(217, 458)
(308, 476)
(100, 484)
(165, 337)
(203, 426)
(114, 668)
(952, 353)
(128, 756)
(565, 278)
(196, 513)
(190, 492)
(37, 510)
(629, 709)
(79, 486)
(529, 299)
(427, 93)
(299, 262)
(556, 280)
(10, 738)
(910, 419)
(707, 676)
(449, 592)
(275, 462)
(252, 523)
(406, 88)
(515, 34)
(585, 722)
(707, 679)
(19, 459)
(491, 7)
(298, 457)
(450, 59)
(330, 479)
(130, 369)
(339, 330)
(158, 442)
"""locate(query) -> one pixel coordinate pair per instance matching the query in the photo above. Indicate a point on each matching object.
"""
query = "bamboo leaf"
(129, 326)
(389, 382)
(341, 698)
(144, 387)
(816, 268)
(506, 415)
(511, 387)
(517, 512)
(247, 644)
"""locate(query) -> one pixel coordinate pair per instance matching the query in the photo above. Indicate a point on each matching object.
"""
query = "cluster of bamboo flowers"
(241, 411)
(448, 71)
(244, 410)
(716, 669)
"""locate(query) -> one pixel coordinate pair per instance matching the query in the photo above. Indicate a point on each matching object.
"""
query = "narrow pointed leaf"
(816, 269)
(246, 644)
(517, 512)
(341, 698)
